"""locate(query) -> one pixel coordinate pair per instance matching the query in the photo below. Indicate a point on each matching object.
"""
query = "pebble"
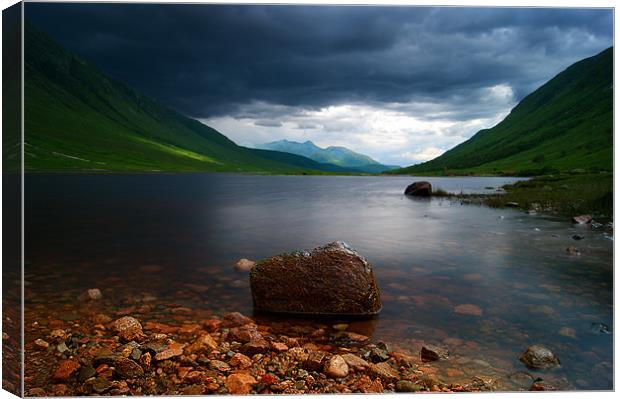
(279, 346)
(384, 371)
(244, 265)
(127, 368)
(568, 332)
(336, 367)
(578, 237)
(255, 347)
(582, 219)
(240, 384)
(65, 370)
(314, 362)
(407, 386)
(41, 343)
(128, 329)
(62, 347)
(94, 294)
(204, 343)
(235, 319)
(86, 372)
(355, 362)
(240, 361)
(468, 309)
(173, 350)
(430, 353)
(100, 385)
(573, 251)
(538, 356)
(219, 365)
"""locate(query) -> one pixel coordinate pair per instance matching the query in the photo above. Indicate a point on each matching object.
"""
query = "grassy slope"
(565, 124)
(78, 119)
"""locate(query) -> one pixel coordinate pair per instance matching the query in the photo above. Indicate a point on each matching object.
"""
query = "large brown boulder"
(419, 189)
(333, 279)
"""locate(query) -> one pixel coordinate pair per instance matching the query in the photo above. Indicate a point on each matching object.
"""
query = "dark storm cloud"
(218, 60)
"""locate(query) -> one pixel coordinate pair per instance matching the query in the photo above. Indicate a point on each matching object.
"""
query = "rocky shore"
(231, 354)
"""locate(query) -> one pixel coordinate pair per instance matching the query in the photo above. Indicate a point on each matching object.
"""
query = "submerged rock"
(332, 279)
(336, 367)
(600, 328)
(430, 353)
(419, 189)
(128, 328)
(244, 265)
(468, 309)
(582, 219)
(538, 357)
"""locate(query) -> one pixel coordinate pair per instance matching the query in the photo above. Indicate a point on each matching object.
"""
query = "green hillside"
(564, 125)
(76, 118)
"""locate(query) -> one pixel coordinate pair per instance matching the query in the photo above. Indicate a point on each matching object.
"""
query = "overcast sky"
(401, 84)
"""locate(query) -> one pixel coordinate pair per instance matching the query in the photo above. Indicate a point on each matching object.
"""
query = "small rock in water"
(578, 237)
(512, 204)
(94, 293)
(384, 371)
(336, 367)
(235, 319)
(568, 332)
(244, 265)
(468, 309)
(582, 219)
(430, 353)
(538, 356)
(128, 329)
(573, 251)
(600, 328)
(419, 189)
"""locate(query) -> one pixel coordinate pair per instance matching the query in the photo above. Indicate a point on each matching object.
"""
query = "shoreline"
(234, 354)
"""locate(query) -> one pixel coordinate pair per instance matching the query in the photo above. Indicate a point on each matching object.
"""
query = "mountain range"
(564, 125)
(77, 118)
(334, 155)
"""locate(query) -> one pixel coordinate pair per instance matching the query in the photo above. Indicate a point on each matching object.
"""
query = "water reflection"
(175, 238)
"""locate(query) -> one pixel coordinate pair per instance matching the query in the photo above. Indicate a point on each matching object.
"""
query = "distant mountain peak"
(336, 155)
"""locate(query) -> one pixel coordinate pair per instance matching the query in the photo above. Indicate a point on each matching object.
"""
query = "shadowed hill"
(79, 119)
(566, 124)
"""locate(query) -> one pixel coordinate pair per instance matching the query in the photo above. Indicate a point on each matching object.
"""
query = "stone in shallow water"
(419, 188)
(539, 357)
(468, 309)
(333, 279)
(430, 353)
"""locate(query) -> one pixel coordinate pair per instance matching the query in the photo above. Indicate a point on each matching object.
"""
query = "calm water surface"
(164, 235)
